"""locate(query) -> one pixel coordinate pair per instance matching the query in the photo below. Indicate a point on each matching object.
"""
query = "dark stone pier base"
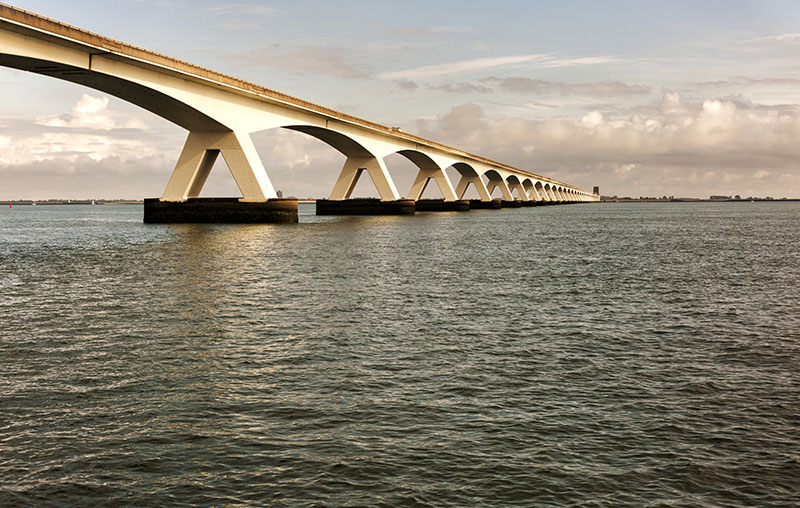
(515, 203)
(220, 210)
(529, 203)
(477, 204)
(365, 206)
(440, 205)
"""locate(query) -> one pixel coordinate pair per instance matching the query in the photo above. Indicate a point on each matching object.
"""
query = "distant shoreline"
(72, 202)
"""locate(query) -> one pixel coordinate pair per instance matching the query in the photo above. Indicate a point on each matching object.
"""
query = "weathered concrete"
(477, 204)
(365, 206)
(220, 210)
(511, 203)
(440, 205)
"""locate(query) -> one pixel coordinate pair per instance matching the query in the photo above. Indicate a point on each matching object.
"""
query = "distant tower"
(279, 193)
(596, 189)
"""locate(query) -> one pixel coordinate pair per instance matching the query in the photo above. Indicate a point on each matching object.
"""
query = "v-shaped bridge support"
(198, 156)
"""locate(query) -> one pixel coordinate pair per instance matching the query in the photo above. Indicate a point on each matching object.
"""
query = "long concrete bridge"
(222, 112)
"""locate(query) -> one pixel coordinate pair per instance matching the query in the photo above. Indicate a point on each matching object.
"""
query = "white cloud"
(542, 87)
(90, 130)
(788, 37)
(92, 113)
(539, 60)
(239, 9)
(592, 119)
(417, 32)
(461, 66)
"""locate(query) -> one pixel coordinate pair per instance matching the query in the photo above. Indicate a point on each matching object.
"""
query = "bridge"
(222, 112)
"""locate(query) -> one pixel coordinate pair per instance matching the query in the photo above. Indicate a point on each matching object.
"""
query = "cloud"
(92, 113)
(540, 60)
(668, 147)
(83, 177)
(603, 89)
(407, 85)
(462, 88)
(425, 31)
(536, 87)
(461, 66)
(239, 9)
(738, 81)
(238, 16)
(325, 61)
(788, 37)
(89, 130)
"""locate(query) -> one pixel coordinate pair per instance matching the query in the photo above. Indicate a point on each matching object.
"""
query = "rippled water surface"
(586, 355)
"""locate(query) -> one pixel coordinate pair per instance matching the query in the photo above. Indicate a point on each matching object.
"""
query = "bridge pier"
(440, 205)
(365, 206)
(198, 156)
(220, 210)
(477, 204)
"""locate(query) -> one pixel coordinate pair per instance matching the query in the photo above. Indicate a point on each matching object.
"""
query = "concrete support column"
(353, 167)
(475, 180)
(424, 177)
(523, 194)
(503, 189)
(542, 193)
(198, 156)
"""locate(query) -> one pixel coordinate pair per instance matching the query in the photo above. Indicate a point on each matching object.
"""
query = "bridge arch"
(530, 189)
(496, 181)
(429, 170)
(515, 184)
(541, 191)
(470, 176)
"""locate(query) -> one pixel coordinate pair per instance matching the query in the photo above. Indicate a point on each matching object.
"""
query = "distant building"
(719, 198)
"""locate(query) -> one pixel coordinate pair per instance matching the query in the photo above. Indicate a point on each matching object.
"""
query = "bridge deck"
(86, 38)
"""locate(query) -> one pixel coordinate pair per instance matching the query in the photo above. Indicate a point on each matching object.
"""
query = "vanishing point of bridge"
(221, 112)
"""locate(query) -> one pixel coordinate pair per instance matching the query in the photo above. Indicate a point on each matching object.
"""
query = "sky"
(641, 98)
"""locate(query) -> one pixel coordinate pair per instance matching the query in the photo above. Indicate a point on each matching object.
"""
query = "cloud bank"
(717, 146)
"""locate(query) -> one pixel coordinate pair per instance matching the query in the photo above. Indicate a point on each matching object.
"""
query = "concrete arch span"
(530, 189)
(471, 176)
(156, 102)
(429, 169)
(496, 181)
(517, 184)
(541, 191)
